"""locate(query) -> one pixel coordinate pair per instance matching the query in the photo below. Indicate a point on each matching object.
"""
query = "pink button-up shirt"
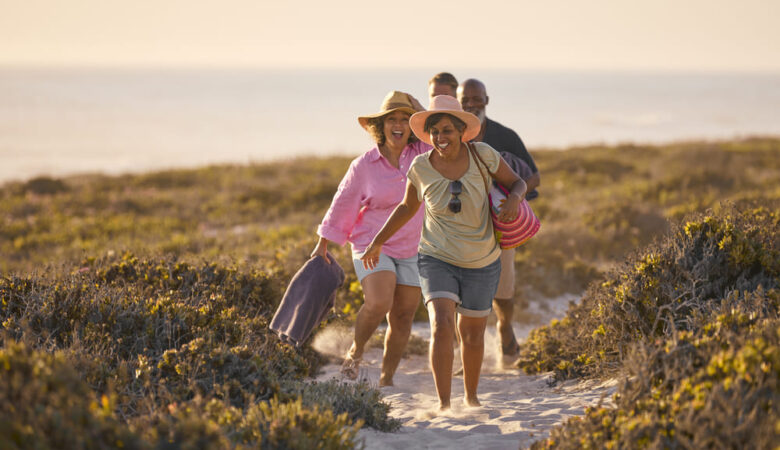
(366, 197)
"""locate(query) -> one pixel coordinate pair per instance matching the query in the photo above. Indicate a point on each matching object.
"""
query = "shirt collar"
(374, 154)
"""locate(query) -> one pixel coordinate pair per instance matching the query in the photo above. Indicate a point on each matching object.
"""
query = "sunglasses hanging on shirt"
(455, 189)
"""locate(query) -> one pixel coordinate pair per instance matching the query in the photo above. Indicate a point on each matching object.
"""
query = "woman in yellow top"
(458, 255)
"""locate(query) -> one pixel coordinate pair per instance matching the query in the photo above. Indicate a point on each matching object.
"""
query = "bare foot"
(383, 381)
(444, 406)
(350, 368)
(472, 402)
(512, 349)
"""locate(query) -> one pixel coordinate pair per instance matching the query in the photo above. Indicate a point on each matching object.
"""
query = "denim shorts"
(471, 289)
(405, 269)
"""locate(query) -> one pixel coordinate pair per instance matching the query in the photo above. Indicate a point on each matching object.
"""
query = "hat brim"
(363, 120)
(417, 123)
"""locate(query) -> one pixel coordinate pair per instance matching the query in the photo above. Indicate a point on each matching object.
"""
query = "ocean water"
(67, 121)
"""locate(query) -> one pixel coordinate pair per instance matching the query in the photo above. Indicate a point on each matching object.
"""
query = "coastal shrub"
(616, 225)
(359, 401)
(235, 374)
(691, 326)
(114, 317)
(548, 272)
(45, 404)
(214, 424)
(145, 305)
(660, 291)
(135, 323)
(717, 387)
(265, 215)
(44, 186)
(152, 333)
(597, 204)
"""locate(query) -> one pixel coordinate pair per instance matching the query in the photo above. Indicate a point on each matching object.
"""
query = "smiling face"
(445, 136)
(396, 128)
(473, 97)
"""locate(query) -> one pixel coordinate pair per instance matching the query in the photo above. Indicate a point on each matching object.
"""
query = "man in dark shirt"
(472, 95)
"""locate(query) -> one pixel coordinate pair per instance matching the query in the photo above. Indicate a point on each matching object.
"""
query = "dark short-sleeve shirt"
(504, 139)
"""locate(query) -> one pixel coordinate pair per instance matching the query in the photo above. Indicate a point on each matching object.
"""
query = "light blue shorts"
(405, 269)
(471, 289)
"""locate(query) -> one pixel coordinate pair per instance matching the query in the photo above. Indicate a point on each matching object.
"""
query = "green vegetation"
(661, 291)
(686, 315)
(692, 324)
(171, 352)
(597, 205)
(134, 309)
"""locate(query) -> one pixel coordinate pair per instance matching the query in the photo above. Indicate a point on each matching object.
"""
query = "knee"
(401, 318)
(443, 328)
(375, 308)
(472, 337)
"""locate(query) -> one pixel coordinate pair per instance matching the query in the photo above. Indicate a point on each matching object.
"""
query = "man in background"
(473, 97)
(443, 83)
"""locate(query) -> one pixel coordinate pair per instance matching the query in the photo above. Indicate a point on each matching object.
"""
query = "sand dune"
(517, 409)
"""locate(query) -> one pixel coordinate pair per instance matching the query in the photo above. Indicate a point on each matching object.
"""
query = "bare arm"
(516, 187)
(321, 249)
(401, 214)
(533, 182)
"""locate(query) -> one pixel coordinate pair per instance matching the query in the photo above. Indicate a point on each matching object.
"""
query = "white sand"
(517, 409)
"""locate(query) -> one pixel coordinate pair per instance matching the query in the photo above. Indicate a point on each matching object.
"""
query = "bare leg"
(378, 292)
(399, 327)
(442, 312)
(504, 311)
(472, 350)
(504, 305)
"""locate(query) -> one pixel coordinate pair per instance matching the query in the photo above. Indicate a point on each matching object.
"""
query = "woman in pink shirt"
(369, 192)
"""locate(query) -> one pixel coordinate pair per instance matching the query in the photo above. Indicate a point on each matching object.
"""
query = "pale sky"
(677, 35)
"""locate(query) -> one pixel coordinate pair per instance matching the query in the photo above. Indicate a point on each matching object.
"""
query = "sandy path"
(516, 409)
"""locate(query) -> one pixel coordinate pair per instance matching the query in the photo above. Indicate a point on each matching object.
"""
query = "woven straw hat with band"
(394, 101)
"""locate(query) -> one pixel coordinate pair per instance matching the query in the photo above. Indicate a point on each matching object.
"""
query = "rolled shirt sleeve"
(345, 208)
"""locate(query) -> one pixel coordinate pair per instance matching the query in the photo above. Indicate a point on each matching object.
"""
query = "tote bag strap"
(500, 186)
(474, 152)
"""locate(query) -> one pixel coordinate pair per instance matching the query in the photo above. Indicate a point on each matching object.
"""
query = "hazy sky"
(575, 34)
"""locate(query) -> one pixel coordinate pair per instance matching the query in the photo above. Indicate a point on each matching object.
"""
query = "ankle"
(510, 349)
(352, 353)
(471, 401)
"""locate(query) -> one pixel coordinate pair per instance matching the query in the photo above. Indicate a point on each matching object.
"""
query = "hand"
(415, 103)
(371, 257)
(508, 211)
(321, 250)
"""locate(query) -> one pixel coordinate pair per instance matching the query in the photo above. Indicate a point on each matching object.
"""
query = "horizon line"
(7, 65)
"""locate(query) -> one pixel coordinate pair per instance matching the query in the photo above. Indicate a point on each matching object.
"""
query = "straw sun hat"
(449, 105)
(394, 101)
